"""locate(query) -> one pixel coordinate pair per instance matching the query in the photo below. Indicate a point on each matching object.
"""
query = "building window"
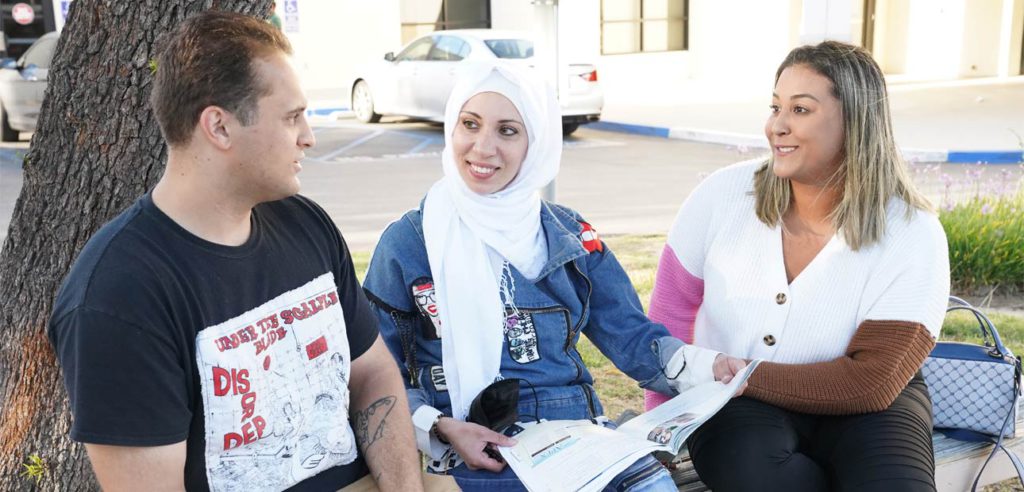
(421, 17)
(643, 26)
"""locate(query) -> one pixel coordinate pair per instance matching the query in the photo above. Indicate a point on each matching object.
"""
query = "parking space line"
(422, 145)
(351, 145)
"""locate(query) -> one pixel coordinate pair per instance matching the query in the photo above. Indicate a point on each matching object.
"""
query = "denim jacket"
(581, 289)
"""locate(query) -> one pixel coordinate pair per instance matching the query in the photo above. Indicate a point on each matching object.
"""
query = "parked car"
(22, 85)
(416, 82)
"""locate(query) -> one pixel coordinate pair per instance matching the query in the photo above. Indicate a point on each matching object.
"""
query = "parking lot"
(367, 175)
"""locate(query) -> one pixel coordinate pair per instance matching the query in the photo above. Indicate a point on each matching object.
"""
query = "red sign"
(23, 13)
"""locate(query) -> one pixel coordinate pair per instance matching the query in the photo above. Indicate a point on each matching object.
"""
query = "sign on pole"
(23, 13)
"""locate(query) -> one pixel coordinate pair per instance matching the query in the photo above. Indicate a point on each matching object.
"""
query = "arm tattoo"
(369, 423)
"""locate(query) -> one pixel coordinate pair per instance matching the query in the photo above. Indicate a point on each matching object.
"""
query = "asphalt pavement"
(368, 175)
(365, 176)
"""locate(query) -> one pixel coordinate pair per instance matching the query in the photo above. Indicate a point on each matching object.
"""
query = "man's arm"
(381, 421)
(156, 468)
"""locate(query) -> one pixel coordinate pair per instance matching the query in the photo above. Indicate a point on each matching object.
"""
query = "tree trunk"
(96, 149)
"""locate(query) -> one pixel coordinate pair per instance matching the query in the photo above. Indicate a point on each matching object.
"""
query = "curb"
(757, 142)
(316, 113)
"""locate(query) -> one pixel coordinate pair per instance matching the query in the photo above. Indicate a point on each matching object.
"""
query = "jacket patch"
(426, 302)
(522, 338)
(437, 378)
(591, 242)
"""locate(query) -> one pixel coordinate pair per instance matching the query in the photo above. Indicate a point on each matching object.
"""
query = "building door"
(421, 17)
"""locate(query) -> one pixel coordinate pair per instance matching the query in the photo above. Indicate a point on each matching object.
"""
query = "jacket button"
(769, 340)
(780, 298)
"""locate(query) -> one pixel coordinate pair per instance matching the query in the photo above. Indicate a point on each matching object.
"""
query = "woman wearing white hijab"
(486, 282)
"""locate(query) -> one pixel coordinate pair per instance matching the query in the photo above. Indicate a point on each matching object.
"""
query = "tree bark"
(96, 149)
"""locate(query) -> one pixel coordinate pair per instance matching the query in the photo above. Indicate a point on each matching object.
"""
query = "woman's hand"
(725, 368)
(471, 442)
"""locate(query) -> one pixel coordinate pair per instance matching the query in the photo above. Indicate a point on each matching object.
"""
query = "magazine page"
(673, 421)
(563, 455)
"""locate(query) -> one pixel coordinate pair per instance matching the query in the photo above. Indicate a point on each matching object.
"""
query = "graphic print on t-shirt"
(275, 391)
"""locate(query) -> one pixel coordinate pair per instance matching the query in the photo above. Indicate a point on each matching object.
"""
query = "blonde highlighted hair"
(872, 170)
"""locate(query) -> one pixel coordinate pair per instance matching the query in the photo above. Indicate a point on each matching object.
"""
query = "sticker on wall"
(291, 16)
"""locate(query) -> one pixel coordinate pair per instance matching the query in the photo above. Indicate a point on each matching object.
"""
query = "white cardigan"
(750, 311)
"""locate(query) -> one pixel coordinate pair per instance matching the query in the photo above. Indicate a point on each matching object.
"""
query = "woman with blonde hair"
(825, 262)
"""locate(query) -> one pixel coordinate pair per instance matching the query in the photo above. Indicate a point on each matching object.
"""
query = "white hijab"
(459, 226)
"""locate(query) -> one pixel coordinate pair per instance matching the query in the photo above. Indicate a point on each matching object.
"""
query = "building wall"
(728, 53)
(890, 46)
(742, 52)
(1011, 41)
(946, 39)
(734, 46)
(980, 41)
(336, 36)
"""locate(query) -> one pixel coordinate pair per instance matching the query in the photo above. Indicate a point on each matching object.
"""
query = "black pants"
(750, 445)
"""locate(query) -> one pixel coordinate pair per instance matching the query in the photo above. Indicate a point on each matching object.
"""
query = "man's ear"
(215, 123)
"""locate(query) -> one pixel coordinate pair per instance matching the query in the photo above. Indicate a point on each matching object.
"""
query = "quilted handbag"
(975, 388)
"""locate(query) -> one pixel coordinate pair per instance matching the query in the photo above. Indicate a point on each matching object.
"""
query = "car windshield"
(40, 53)
(510, 48)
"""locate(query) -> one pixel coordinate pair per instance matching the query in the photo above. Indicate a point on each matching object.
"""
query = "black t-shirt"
(244, 351)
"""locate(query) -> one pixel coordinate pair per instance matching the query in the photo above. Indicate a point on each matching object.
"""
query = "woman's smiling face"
(489, 142)
(805, 128)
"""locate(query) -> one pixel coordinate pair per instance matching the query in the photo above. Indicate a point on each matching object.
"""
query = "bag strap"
(999, 446)
(984, 324)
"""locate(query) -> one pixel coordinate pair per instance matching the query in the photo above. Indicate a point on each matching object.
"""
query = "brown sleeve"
(880, 360)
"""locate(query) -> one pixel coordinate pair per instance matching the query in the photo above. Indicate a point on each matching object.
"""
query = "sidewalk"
(965, 121)
(961, 121)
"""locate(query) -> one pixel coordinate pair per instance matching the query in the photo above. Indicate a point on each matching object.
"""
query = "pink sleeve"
(676, 297)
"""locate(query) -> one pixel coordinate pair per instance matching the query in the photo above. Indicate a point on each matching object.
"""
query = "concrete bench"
(956, 463)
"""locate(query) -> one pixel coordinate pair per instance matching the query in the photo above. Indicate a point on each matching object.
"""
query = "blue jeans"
(646, 475)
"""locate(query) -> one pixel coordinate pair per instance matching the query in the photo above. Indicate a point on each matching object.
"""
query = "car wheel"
(7, 134)
(362, 103)
(568, 128)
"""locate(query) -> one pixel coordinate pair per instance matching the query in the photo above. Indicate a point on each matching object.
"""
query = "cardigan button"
(780, 298)
(769, 340)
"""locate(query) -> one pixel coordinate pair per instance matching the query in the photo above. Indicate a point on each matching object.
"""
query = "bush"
(986, 242)
(961, 326)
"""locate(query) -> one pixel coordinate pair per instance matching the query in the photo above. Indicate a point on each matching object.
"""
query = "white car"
(22, 86)
(416, 82)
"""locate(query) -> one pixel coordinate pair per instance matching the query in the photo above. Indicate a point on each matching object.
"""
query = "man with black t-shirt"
(213, 335)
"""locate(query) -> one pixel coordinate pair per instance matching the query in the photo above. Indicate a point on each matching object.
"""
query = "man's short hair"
(208, 61)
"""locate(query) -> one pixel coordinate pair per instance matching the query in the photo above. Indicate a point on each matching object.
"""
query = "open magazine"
(560, 455)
